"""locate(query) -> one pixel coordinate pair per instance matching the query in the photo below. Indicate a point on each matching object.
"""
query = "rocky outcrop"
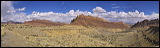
(150, 36)
(146, 22)
(97, 22)
(44, 23)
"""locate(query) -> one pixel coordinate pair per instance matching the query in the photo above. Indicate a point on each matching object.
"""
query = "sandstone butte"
(91, 21)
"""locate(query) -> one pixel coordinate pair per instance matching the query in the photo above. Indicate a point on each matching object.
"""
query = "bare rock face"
(83, 17)
(44, 23)
(97, 22)
(146, 22)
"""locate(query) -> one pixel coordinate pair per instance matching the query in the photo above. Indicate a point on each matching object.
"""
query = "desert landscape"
(83, 31)
(79, 23)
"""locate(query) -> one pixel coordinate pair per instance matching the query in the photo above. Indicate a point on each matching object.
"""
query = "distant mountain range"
(11, 22)
(44, 23)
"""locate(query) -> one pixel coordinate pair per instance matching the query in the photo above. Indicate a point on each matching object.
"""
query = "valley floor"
(20, 35)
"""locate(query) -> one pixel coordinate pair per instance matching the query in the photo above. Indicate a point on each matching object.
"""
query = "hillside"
(149, 36)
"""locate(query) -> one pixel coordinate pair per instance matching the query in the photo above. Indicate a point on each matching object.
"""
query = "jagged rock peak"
(146, 23)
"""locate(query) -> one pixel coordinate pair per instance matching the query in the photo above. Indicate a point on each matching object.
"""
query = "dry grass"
(2, 31)
(70, 36)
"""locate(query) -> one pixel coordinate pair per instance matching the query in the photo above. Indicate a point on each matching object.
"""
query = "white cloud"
(7, 10)
(56, 17)
(98, 10)
(21, 9)
(153, 16)
(71, 12)
(9, 13)
(129, 17)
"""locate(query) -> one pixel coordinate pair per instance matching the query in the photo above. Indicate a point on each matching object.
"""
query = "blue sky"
(65, 11)
(65, 6)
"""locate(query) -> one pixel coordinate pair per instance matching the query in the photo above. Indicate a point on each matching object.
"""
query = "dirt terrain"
(22, 35)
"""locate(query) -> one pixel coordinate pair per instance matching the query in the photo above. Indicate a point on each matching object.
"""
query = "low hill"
(44, 23)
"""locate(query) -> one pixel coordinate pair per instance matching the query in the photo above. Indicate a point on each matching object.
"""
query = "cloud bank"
(8, 12)
(98, 10)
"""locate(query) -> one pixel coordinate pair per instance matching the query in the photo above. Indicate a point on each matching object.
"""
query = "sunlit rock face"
(97, 22)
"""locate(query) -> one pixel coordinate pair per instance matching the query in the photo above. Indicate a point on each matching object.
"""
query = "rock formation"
(146, 22)
(97, 22)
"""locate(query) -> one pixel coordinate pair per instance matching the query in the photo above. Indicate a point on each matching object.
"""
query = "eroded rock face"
(154, 32)
(44, 23)
(146, 22)
(97, 22)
